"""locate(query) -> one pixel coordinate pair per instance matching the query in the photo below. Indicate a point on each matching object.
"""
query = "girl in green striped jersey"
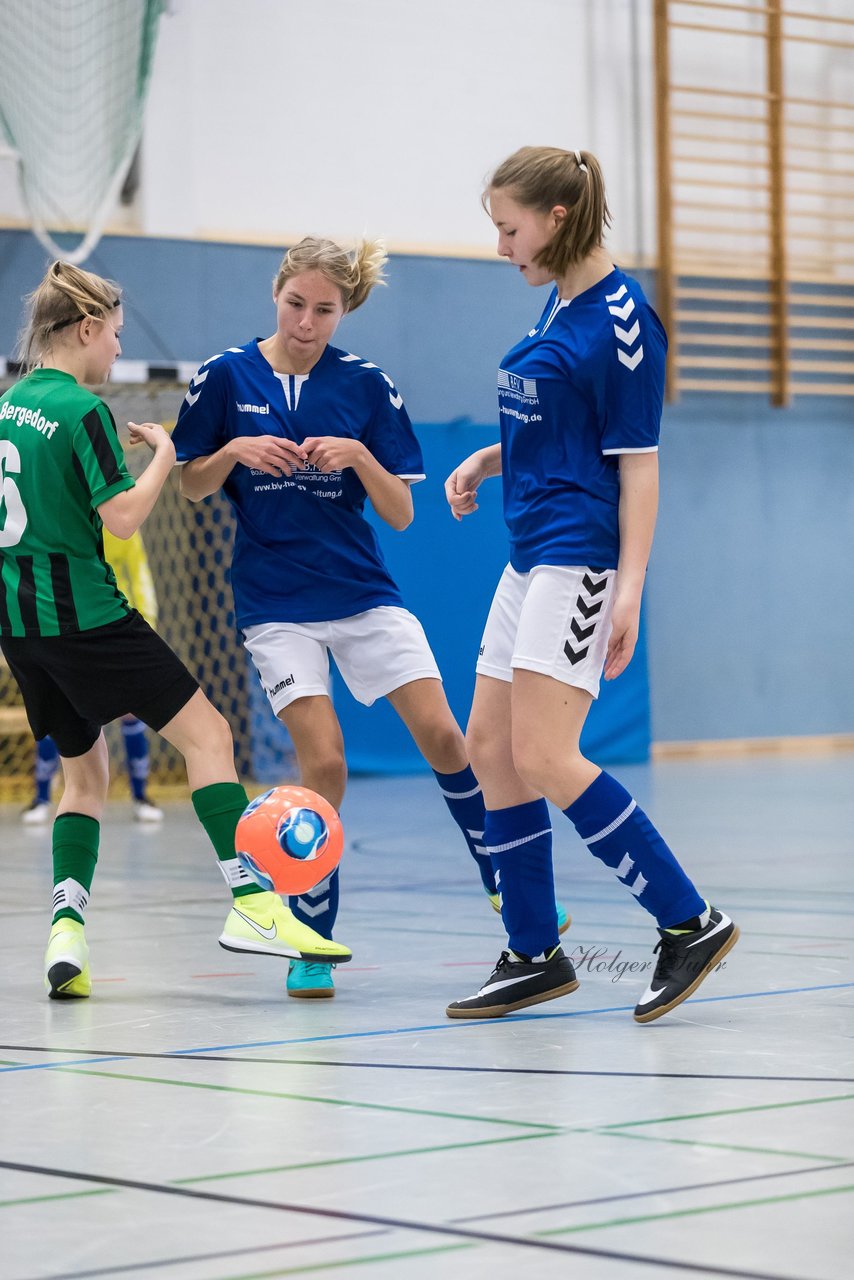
(81, 656)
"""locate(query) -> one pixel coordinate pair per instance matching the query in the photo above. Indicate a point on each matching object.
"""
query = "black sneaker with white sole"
(684, 960)
(514, 984)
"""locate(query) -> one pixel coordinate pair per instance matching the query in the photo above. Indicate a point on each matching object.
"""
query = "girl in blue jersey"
(580, 402)
(299, 434)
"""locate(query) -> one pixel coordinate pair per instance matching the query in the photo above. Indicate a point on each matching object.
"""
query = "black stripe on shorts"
(101, 447)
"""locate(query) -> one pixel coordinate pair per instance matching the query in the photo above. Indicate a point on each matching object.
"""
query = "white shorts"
(376, 652)
(555, 620)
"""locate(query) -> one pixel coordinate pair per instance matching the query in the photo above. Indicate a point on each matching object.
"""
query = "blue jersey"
(581, 388)
(303, 550)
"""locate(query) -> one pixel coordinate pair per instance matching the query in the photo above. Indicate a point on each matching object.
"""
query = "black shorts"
(74, 684)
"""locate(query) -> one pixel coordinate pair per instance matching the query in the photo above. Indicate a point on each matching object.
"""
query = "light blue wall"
(750, 605)
(437, 329)
(751, 587)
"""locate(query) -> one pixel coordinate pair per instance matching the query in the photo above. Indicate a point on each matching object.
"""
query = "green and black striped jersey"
(60, 458)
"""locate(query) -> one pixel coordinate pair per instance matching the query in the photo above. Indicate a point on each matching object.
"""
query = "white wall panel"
(268, 119)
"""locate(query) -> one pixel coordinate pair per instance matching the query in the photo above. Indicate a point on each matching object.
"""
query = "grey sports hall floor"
(190, 1122)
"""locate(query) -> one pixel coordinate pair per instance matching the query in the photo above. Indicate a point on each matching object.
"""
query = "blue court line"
(461, 1024)
(457, 1025)
(72, 1062)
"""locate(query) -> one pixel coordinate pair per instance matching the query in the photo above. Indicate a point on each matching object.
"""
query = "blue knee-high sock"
(136, 752)
(620, 834)
(319, 907)
(464, 798)
(519, 841)
(47, 763)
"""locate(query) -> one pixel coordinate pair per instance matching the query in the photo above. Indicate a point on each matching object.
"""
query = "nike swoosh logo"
(721, 925)
(259, 928)
(508, 982)
(650, 994)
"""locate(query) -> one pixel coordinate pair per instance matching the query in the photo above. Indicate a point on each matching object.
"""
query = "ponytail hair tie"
(580, 162)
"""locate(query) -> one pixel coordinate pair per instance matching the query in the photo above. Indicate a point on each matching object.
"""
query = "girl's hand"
(274, 455)
(625, 622)
(334, 453)
(462, 485)
(153, 434)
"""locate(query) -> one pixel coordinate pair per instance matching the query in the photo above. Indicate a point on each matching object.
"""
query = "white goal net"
(72, 94)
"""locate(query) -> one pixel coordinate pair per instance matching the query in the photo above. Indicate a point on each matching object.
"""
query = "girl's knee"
(210, 737)
(86, 782)
(323, 767)
(488, 754)
(222, 731)
(548, 768)
(443, 746)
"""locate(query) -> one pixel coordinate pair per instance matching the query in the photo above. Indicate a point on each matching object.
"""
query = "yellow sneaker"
(66, 962)
(261, 923)
(564, 920)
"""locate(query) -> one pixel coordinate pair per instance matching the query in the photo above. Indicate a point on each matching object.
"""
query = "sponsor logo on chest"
(526, 388)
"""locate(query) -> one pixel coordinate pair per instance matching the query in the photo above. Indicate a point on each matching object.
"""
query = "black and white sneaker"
(514, 984)
(684, 960)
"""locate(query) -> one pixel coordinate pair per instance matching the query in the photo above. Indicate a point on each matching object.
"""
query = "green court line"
(287, 1168)
(60, 1195)
(688, 1213)
(730, 1111)
(301, 1097)
(339, 1160)
(350, 1262)
(716, 1146)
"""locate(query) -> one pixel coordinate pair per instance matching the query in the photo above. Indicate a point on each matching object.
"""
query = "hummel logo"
(283, 684)
(623, 313)
(269, 932)
(588, 610)
(631, 362)
(593, 588)
(575, 655)
(581, 633)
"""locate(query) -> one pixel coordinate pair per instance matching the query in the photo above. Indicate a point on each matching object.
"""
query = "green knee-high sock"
(218, 808)
(75, 853)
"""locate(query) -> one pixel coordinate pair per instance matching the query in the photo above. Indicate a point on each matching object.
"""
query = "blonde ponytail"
(543, 177)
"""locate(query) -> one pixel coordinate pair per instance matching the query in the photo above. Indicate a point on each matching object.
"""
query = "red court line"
(242, 973)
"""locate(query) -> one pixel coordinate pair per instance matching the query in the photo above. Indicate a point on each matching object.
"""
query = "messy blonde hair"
(542, 177)
(354, 273)
(66, 294)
